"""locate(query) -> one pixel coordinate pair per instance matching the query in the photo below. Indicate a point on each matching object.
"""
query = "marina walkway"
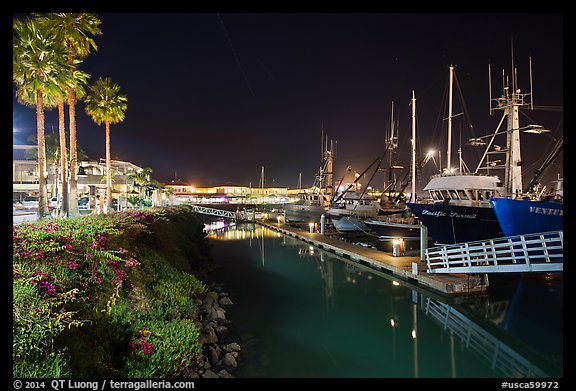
(410, 268)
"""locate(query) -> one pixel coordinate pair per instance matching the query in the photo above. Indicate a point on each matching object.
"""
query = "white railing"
(474, 337)
(539, 252)
(214, 212)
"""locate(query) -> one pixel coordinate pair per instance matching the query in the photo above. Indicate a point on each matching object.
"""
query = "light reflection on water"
(302, 312)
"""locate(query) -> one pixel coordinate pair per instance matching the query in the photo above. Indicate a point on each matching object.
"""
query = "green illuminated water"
(302, 312)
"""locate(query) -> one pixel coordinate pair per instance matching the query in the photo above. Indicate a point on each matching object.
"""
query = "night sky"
(214, 97)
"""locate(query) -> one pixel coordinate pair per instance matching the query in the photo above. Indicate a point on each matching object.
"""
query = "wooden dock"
(410, 268)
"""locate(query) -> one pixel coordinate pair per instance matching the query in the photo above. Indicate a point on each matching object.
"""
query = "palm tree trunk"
(108, 168)
(73, 193)
(63, 160)
(43, 211)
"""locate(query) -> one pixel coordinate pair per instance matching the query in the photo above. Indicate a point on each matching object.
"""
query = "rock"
(211, 297)
(216, 313)
(231, 347)
(215, 353)
(225, 301)
(224, 374)
(210, 374)
(209, 324)
(229, 360)
(208, 336)
(190, 373)
(221, 331)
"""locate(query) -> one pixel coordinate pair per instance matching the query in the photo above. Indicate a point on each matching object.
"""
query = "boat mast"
(413, 195)
(449, 153)
(510, 102)
(328, 172)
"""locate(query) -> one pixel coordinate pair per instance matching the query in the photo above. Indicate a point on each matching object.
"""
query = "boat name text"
(439, 213)
(547, 211)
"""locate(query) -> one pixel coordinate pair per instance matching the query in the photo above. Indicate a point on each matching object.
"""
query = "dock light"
(395, 283)
(398, 247)
(392, 323)
(413, 334)
(311, 225)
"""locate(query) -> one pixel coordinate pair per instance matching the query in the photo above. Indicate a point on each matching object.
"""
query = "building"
(91, 177)
(228, 193)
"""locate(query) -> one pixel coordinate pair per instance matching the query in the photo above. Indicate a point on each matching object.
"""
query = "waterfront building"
(91, 177)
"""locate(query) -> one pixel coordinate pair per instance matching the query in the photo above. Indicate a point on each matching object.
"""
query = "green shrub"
(84, 289)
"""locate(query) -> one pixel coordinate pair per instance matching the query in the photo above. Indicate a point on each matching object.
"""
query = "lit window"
(462, 194)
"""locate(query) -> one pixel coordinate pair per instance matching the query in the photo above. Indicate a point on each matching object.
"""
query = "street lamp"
(535, 129)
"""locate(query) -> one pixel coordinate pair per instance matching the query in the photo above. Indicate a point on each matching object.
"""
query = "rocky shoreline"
(220, 353)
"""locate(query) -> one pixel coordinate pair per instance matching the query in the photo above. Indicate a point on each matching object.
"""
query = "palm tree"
(39, 69)
(53, 151)
(77, 79)
(141, 178)
(75, 30)
(106, 105)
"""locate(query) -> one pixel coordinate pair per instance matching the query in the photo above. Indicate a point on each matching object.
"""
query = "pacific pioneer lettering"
(437, 213)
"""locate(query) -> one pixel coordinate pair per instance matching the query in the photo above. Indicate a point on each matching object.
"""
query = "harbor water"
(301, 312)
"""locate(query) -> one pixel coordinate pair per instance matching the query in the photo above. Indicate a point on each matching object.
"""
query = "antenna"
(322, 142)
(490, 89)
(531, 92)
(392, 124)
(513, 67)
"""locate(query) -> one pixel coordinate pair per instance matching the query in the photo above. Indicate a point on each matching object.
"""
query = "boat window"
(472, 194)
(462, 194)
(438, 195)
(445, 194)
(315, 198)
(432, 195)
(480, 196)
(453, 194)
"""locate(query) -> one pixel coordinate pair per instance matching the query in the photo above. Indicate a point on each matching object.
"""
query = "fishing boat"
(310, 206)
(458, 208)
(396, 221)
(307, 209)
(349, 213)
(526, 216)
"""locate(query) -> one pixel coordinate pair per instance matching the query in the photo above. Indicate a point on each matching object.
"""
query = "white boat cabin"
(464, 189)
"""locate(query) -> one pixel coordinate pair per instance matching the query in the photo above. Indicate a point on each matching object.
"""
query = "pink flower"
(73, 265)
(132, 262)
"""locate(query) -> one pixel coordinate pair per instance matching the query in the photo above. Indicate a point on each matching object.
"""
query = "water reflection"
(322, 310)
(499, 354)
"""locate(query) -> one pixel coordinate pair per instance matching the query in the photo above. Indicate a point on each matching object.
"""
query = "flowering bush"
(68, 274)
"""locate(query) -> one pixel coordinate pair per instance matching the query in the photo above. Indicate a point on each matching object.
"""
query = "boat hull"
(303, 213)
(348, 224)
(449, 224)
(393, 230)
(520, 217)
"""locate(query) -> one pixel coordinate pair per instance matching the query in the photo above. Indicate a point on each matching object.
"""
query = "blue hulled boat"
(519, 217)
(526, 216)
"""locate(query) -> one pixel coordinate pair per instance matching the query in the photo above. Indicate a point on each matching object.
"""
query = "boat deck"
(409, 268)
